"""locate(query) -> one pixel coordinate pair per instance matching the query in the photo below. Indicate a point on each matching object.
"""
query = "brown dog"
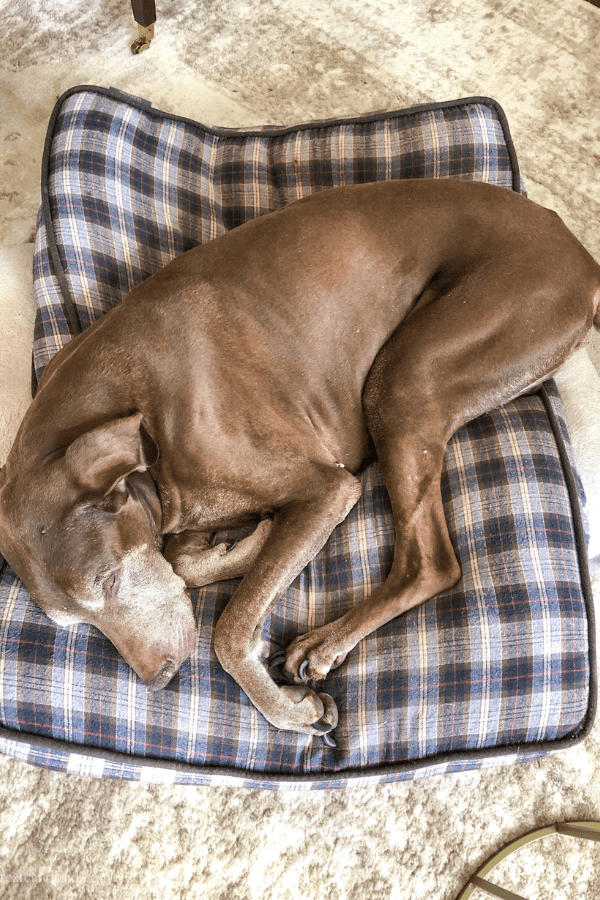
(241, 384)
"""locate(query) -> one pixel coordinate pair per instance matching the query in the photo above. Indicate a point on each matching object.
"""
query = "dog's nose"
(163, 678)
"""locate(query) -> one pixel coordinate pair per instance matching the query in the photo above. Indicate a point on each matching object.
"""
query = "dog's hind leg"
(456, 356)
(410, 449)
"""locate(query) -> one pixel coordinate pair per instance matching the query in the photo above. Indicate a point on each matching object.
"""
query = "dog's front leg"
(196, 561)
(300, 529)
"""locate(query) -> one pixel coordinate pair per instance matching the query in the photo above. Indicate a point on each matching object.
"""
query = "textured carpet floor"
(244, 62)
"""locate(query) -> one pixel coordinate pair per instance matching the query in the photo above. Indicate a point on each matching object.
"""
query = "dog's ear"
(99, 459)
(2, 475)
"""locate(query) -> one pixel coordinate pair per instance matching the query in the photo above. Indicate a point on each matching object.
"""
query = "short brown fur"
(244, 382)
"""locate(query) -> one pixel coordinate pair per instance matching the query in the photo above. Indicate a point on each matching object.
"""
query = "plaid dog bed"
(498, 669)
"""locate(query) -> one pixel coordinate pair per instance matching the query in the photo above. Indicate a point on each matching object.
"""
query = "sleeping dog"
(244, 383)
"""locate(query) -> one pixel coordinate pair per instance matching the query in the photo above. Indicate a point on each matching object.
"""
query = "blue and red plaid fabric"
(498, 669)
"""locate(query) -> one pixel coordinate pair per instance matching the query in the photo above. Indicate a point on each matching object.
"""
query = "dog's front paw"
(308, 712)
(313, 655)
(202, 558)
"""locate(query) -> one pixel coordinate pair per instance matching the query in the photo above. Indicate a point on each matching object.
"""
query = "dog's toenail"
(303, 670)
(328, 740)
(278, 659)
(322, 726)
(231, 546)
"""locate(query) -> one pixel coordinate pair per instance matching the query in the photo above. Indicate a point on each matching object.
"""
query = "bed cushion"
(498, 669)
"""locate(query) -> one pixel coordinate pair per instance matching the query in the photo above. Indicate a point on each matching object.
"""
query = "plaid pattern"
(496, 670)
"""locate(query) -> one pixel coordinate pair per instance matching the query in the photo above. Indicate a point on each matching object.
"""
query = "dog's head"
(83, 532)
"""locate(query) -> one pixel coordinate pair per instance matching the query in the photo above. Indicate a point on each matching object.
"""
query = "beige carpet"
(243, 62)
